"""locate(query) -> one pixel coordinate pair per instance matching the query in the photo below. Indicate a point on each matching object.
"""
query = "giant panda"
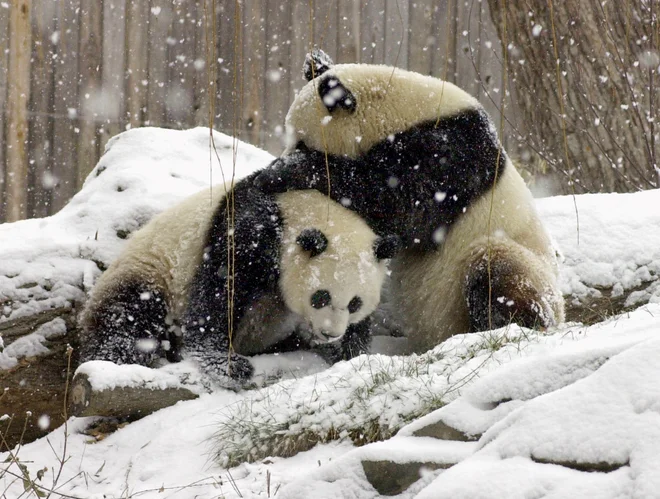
(419, 157)
(304, 268)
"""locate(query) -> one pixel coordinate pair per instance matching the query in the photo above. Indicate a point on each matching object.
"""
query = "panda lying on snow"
(418, 157)
(303, 266)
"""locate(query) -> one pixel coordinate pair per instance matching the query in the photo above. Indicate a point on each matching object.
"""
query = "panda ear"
(312, 240)
(387, 247)
(335, 95)
(317, 62)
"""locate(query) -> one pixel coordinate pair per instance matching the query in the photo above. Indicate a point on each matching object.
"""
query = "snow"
(541, 409)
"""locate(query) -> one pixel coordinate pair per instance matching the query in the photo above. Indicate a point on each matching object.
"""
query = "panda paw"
(270, 180)
(232, 372)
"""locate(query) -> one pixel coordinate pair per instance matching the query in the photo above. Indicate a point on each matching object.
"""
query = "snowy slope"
(576, 397)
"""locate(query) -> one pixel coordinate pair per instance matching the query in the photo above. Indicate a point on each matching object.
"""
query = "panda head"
(332, 276)
(345, 109)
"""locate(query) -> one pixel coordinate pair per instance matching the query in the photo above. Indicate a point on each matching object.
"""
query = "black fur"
(316, 63)
(415, 185)
(505, 290)
(355, 342)
(256, 257)
(135, 312)
(387, 247)
(335, 95)
(313, 241)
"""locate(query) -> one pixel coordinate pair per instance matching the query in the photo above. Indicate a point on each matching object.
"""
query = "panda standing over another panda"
(305, 271)
(418, 157)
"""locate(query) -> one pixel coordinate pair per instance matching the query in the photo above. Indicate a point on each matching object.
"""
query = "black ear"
(387, 247)
(312, 240)
(335, 95)
(317, 62)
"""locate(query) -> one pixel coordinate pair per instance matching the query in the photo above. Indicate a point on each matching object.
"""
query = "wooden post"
(91, 50)
(137, 46)
(66, 105)
(41, 101)
(4, 62)
(17, 99)
(114, 70)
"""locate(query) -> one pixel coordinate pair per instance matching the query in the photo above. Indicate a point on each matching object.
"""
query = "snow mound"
(575, 415)
(616, 243)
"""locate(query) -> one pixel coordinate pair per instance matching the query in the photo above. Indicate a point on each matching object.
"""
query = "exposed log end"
(132, 402)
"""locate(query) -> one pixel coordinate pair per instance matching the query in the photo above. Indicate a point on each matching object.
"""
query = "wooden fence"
(73, 73)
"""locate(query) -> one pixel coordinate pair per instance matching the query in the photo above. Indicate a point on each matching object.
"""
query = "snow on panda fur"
(307, 272)
(419, 157)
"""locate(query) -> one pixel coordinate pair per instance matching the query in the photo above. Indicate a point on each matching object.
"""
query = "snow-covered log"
(104, 389)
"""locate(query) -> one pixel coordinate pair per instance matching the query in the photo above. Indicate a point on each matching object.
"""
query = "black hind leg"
(506, 291)
(128, 326)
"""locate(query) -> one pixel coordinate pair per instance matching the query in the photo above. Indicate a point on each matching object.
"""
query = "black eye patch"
(354, 305)
(321, 298)
(312, 240)
(335, 95)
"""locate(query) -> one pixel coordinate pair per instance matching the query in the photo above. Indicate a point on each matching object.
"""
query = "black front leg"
(250, 262)
(298, 171)
(210, 349)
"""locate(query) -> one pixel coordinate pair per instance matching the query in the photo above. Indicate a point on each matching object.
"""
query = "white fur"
(428, 289)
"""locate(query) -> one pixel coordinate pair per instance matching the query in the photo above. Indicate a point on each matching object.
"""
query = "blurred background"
(577, 81)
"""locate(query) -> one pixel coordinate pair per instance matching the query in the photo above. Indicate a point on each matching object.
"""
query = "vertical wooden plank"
(200, 62)
(4, 64)
(18, 97)
(396, 33)
(65, 109)
(160, 13)
(372, 28)
(325, 27)
(181, 48)
(278, 63)
(348, 34)
(111, 106)
(255, 74)
(421, 39)
(137, 28)
(229, 67)
(41, 101)
(443, 61)
(91, 50)
(300, 44)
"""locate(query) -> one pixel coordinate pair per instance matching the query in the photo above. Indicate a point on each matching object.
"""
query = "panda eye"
(355, 304)
(321, 298)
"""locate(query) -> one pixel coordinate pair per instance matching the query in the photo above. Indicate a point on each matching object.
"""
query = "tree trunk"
(601, 75)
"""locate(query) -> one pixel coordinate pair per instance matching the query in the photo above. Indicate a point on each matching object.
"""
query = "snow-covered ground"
(571, 413)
